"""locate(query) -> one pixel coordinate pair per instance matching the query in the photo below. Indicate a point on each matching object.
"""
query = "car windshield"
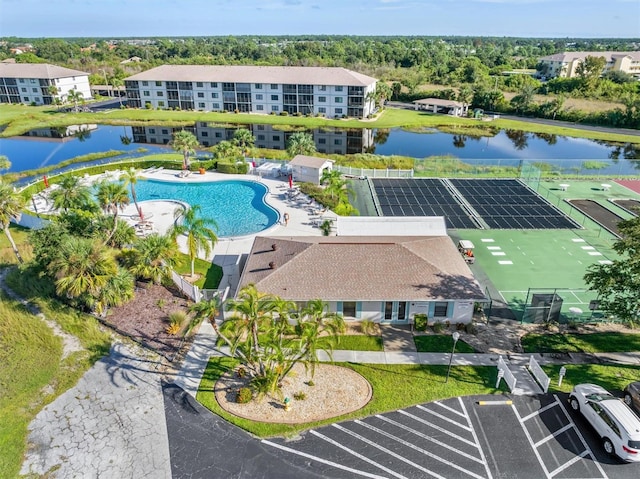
(599, 397)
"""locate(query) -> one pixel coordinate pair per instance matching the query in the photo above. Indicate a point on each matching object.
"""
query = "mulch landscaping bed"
(145, 318)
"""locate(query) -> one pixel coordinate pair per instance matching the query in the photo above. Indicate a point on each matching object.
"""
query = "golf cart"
(466, 250)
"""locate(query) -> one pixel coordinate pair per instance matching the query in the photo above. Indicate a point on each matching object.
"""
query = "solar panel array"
(421, 197)
(502, 204)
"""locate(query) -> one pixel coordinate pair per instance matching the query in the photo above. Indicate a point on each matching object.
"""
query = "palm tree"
(244, 140)
(198, 231)
(116, 83)
(5, 164)
(83, 266)
(11, 204)
(226, 149)
(301, 143)
(152, 257)
(112, 197)
(333, 181)
(71, 194)
(118, 290)
(204, 310)
(76, 97)
(130, 177)
(186, 143)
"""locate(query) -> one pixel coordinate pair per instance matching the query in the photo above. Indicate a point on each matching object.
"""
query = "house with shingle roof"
(309, 169)
(379, 278)
(329, 91)
(565, 64)
(30, 83)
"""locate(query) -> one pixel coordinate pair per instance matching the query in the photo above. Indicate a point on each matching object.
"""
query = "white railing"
(373, 173)
(505, 373)
(539, 374)
(190, 290)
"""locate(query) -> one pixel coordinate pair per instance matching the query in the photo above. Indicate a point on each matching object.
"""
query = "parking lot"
(534, 437)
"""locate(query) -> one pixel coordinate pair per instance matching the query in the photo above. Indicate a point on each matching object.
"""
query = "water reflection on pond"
(50, 146)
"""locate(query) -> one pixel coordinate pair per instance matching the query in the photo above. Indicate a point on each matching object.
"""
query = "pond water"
(48, 147)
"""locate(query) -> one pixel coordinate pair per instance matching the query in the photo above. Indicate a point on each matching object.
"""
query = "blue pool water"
(238, 207)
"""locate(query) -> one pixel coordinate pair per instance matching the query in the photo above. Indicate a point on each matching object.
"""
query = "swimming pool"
(237, 206)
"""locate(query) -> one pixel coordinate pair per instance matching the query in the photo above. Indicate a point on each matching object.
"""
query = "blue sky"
(122, 18)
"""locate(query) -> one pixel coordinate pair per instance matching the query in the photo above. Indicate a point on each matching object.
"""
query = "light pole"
(106, 82)
(455, 336)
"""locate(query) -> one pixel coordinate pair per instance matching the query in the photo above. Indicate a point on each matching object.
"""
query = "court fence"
(373, 173)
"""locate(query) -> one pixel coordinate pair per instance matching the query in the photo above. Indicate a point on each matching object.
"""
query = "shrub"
(368, 327)
(439, 327)
(470, 328)
(244, 395)
(241, 372)
(420, 322)
(460, 326)
(299, 396)
(284, 113)
(310, 383)
(176, 320)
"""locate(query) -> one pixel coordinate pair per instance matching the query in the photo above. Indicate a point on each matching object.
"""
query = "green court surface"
(517, 260)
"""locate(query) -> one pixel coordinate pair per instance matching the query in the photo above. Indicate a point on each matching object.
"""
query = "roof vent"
(272, 265)
(274, 247)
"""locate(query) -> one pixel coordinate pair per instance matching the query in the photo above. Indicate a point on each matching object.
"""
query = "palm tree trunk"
(193, 264)
(13, 243)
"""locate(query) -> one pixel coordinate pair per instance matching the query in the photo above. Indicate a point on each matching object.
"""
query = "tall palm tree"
(71, 194)
(75, 97)
(83, 266)
(244, 139)
(198, 231)
(226, 149)
(112, 197)
(301, 143)
(152, 257)
(186, 143)
(130, 177)
(117, 83)
(11, 204)
(204, 310)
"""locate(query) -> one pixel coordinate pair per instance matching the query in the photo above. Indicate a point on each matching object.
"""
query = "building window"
(159, 93)
(274, 86)
(152, 131)
(214, 95)
(214, 84)
(37, 99)
(440, 309)
(158, 83)
(24, 90)
(274, 108)
(338, 99)
(322, 99)
(218, 134)
(145, 83)
(35, 90)
(259, 97)
(338, 111)
(322, 109)
(322, 88)
(322, 141)
(205, 133)
(160, 104)
(216, 105)
(21, 80)
(201, 105)
(337, 141)
(258, 86)
(200, 94)
(338, 88)
(349, 309)
(26, 98)
(146, 93)
(165, 131)
(199, 84)
(260, 107)
(275, 137)
(274, 97)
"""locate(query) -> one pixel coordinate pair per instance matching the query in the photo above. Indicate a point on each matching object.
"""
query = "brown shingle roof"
(37, 70)
(256, 74)
(360, 268)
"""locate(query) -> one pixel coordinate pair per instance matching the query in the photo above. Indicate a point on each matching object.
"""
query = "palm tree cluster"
(336, 188)
(90, 255)
(270, 335)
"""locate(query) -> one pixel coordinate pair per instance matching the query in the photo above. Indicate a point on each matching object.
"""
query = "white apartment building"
(30, 83)
(565, 64)
(332, 92)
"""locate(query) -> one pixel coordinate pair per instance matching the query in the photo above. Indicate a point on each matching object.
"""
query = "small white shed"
(309, 169)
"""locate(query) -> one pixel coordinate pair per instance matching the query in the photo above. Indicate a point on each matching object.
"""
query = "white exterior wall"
(462, 312)
(371, 310)
(31, 92)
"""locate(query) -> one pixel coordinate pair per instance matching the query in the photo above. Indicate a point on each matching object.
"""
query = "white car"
(613, 420)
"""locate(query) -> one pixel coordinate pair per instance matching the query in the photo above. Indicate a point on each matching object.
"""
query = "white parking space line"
(387, 451)
(448, 408)
(431, 439)
(437, 428)
(444, 418)
(419, 449)
(356, 454)
(551, 436)
(540, 411)
(569, 463)
(324, 461)
(581, 437)
(535, 450)
(475, 438)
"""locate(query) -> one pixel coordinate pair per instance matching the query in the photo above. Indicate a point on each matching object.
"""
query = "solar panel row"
(504, 204)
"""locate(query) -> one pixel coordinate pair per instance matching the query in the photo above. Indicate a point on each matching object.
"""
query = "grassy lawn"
(579, 343)
(440, 343)
(33, 372)
(394, 387)
(20, 235)
(20, 119)
(612, 378)
(358, 342)
(210, 274)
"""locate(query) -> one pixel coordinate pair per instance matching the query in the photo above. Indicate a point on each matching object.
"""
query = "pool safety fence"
(373, 173)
